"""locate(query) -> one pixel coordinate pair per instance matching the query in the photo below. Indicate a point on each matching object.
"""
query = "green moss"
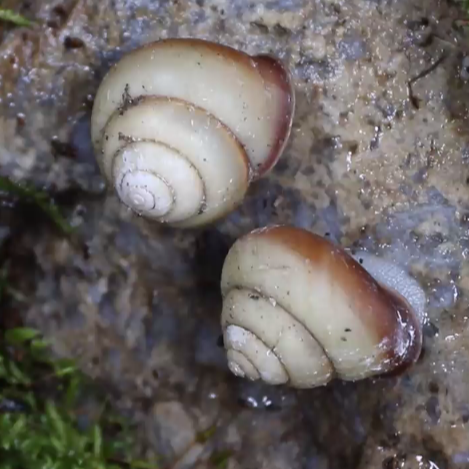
(26, 193)
(11, 17)
(40, 426)
(221, 459)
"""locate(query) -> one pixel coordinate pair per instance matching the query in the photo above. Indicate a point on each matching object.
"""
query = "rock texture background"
(371, 163)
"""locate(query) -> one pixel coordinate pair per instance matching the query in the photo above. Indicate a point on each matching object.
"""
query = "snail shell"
(181, 127)
(299, 310)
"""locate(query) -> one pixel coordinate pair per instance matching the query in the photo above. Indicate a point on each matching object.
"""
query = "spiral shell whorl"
(133, 189)
(270, 353)
(157, 181)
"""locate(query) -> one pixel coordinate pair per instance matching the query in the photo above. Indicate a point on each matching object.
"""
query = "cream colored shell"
(299, 310)
(181, 126)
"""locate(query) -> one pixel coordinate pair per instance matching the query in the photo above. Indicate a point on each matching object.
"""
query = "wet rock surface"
(378, 160)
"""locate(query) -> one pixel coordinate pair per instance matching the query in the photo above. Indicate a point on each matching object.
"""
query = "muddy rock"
(377, 160)
(173, 426)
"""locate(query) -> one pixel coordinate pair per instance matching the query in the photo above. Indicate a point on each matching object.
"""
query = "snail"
(181, 127)
(300, 310)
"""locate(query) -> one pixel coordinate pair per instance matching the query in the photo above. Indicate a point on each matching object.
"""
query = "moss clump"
(12, 17)
(26, 193)
(41, 424)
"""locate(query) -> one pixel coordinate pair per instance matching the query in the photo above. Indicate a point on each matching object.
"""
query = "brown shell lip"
(274, 71)
(392, 317)
(411, 328)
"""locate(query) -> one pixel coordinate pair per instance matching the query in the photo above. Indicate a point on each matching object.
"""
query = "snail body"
(181, 127)
(299, 310)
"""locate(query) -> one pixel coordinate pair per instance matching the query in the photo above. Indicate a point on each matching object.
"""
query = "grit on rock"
(372, 163)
